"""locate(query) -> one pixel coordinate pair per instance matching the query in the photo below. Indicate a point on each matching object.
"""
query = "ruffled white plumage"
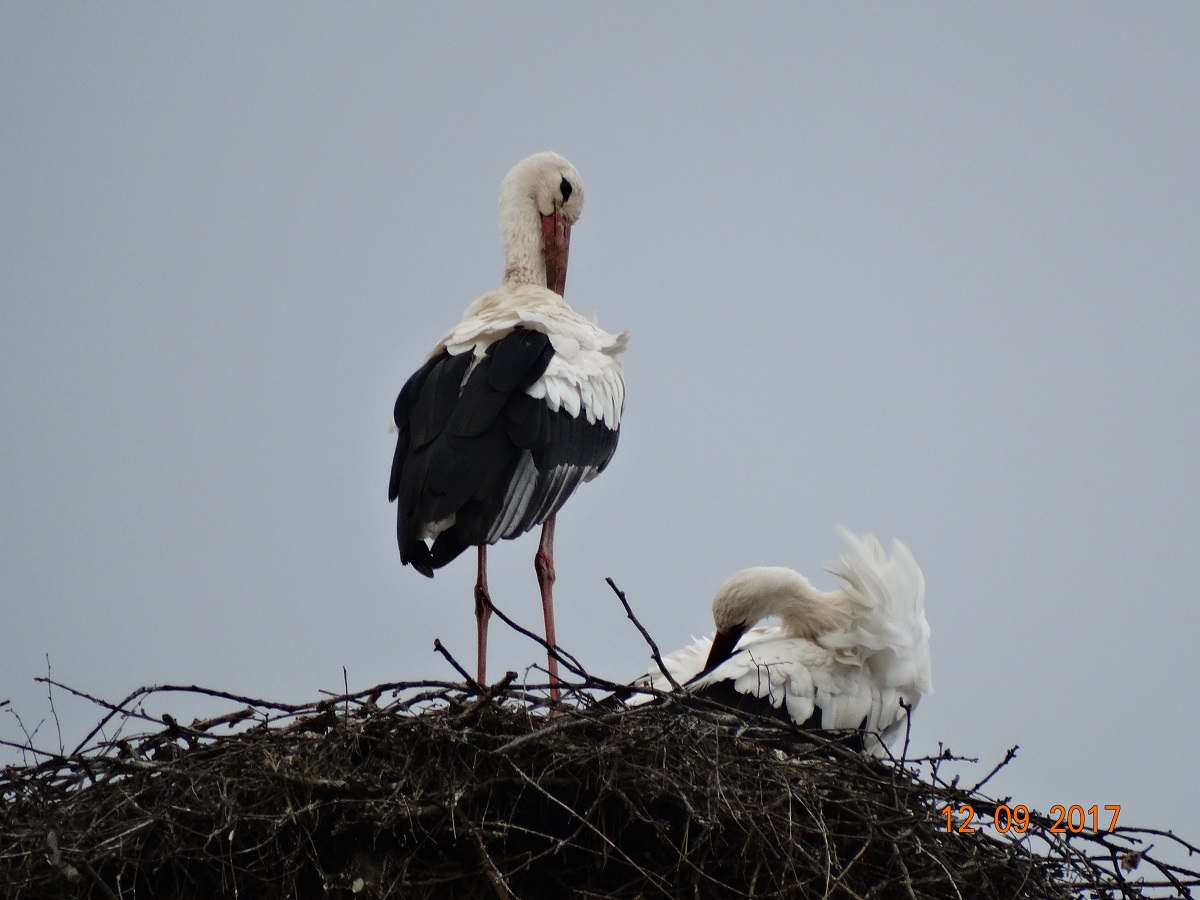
(584, 376)
(889, 634)
(861, 675)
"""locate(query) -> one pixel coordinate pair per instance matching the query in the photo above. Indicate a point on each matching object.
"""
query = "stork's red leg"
(543, 562)
(483, 612)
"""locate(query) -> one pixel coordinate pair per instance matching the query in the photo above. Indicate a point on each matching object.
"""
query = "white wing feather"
(889, 632)
(585, 374)
(865, 674)
(684, 665)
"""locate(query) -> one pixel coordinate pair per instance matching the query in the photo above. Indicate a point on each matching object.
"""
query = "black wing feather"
(437, 399)
(569, 451)
(575, 441)
(519, 360)
(527, 421)
(468, 439)
(402, 416)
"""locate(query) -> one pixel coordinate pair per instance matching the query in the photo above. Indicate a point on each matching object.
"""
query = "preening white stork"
(850, 658)
(515, 407)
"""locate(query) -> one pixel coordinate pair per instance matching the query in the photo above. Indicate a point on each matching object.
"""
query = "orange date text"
(1063, 819)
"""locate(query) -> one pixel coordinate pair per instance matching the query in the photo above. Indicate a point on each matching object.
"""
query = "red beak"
(722, 646)
(556, 239)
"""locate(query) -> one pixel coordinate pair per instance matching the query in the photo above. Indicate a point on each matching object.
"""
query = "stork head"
(752, 595)
(540, 199)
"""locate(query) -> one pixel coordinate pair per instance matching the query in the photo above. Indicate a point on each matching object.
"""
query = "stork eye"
(565, 187)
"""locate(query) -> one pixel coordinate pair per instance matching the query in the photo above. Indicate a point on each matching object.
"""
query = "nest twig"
(440, 790)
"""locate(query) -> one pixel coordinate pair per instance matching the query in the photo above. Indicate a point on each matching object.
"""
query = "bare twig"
(457, 789)
(471, 682)
(1009, 756)
(568, 661)
(489, 867)
(658, 660)
(54, 712)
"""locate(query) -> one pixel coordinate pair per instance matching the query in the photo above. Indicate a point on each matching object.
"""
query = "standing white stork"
(515, 407)
(850, 658)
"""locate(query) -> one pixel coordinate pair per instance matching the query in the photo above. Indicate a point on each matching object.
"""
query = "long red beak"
(556, 239)
(722, 646)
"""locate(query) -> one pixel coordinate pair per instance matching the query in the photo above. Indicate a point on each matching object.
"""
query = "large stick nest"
(449, 790)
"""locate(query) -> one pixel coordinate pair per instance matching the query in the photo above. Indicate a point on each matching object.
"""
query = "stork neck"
(521, 234)
(524, 271)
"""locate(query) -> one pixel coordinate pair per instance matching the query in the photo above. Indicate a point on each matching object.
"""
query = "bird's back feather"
(483, 451)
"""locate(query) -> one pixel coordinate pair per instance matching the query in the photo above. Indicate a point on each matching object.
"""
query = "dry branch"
(467, 791)
(474, 791)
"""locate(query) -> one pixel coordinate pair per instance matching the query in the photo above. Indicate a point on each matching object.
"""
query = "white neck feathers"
(754, 594)
(532, 189)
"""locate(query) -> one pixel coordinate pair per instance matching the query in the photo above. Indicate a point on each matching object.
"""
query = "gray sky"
(927, 271)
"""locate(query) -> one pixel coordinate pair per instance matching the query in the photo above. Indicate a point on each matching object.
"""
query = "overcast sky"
(929, 271)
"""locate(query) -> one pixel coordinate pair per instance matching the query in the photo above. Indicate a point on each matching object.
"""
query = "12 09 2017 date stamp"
(1064, 819)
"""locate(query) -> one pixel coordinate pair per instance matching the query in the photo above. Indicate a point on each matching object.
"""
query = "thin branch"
(471, 682)
(54, 712)
(496, 800)
(574, 666)
(645, 635)
(1009, 756)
